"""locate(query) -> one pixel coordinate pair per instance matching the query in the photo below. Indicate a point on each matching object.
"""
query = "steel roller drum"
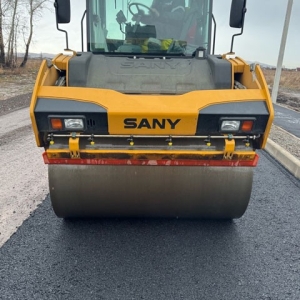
(149, 191)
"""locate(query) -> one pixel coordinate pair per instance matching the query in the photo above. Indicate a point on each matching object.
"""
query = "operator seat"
(192, 19)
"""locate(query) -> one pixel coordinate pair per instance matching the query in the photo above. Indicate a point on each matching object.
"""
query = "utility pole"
(281, 51)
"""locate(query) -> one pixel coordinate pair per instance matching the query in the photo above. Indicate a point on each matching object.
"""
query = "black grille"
(91, 123)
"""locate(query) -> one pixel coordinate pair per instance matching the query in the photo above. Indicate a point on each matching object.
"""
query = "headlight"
(74, 123)
(230, 125)
(66, 123)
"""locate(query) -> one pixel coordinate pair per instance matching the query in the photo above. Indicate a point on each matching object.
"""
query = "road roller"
(146, 120)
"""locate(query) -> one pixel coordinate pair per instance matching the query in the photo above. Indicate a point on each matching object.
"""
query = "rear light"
(247, 126)
(66, 123)
(56, 124)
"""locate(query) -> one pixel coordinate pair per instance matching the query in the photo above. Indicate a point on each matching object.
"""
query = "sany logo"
(133, 123)
(152, 64)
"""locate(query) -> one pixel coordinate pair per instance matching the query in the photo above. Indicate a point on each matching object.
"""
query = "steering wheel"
(138, 5)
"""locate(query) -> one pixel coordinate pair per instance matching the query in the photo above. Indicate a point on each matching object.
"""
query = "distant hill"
(264, 66)
(37, 55)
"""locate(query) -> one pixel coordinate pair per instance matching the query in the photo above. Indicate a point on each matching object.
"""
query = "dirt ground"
(289, 88)
(18, 81)
(291, 99)
(11, 86)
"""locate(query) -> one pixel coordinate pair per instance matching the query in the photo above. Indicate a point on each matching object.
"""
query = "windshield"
(148, 26)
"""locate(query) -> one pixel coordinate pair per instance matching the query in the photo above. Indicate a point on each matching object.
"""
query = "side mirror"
(237, 13)
(63, 11)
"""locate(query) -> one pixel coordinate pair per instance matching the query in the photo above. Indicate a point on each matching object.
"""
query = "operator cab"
(158, 27)
(148, 26)
(142, 47)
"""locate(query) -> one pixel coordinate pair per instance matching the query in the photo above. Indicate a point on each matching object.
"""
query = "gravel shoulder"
(286, 140)
(14, 103)
(23, 173)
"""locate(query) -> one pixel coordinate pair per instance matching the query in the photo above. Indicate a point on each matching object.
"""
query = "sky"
(260, 41)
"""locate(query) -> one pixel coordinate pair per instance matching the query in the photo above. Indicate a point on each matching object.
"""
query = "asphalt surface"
(255, 257)
(287, 119)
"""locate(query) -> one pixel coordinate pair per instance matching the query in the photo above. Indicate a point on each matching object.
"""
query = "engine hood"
(177, 75)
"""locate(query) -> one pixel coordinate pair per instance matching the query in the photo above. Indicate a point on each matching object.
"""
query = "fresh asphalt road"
(255, 257)
(287, 119)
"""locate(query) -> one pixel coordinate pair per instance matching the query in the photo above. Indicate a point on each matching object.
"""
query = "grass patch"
(31, 69)
(18, 81)
(289, 80)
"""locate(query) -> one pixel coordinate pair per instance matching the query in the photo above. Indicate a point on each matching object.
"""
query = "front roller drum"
(150, 191)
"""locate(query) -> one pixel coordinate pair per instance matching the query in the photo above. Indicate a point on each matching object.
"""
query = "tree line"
(17, 19)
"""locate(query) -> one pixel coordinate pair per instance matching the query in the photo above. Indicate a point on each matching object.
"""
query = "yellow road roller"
(146, 120)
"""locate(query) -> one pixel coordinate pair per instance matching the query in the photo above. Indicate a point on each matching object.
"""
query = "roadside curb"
(289, 161)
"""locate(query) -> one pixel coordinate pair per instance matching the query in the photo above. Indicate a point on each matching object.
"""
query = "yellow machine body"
(146, 122)
(151, 172)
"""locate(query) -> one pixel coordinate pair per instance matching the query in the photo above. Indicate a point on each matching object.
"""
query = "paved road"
(255, 257)
(287, 119)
